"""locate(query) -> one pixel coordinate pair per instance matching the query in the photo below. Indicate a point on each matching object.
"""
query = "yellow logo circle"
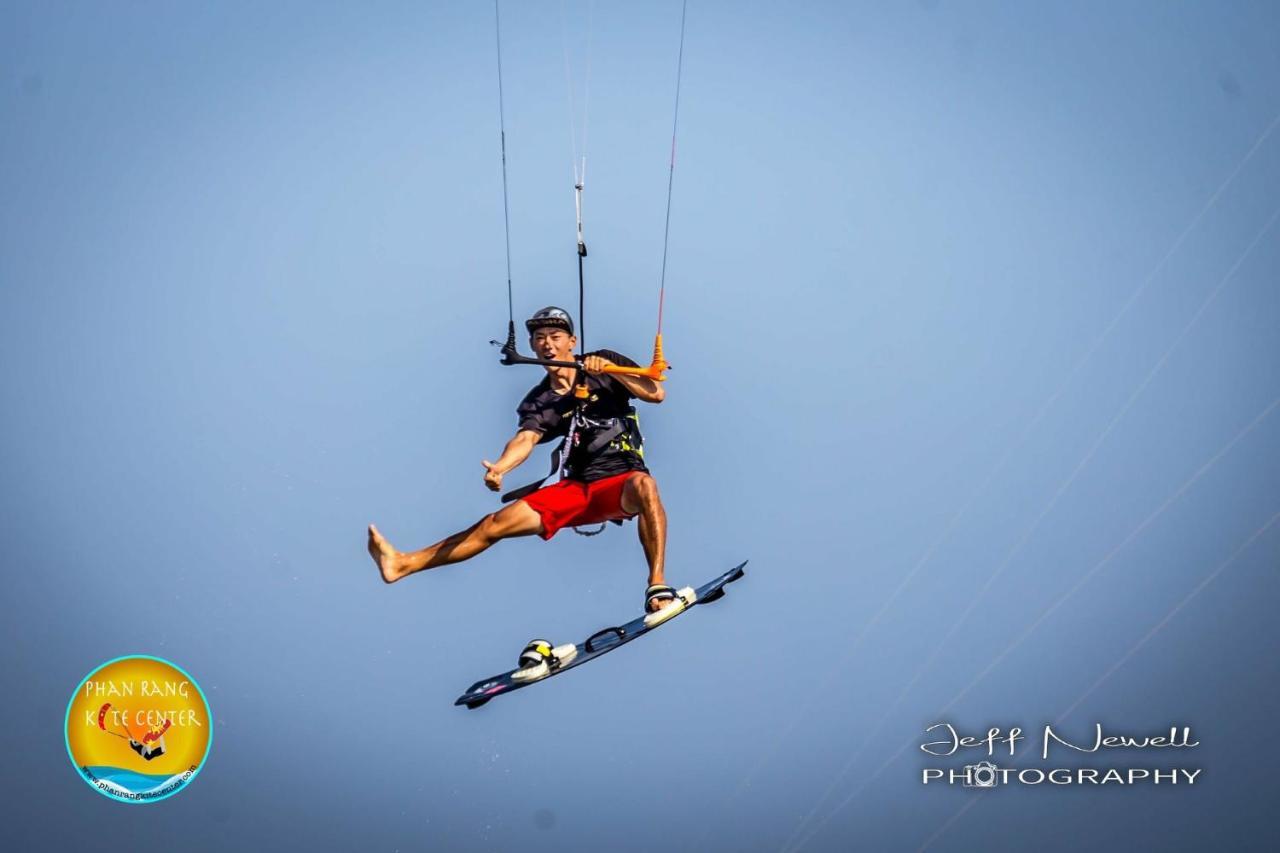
(138, 729)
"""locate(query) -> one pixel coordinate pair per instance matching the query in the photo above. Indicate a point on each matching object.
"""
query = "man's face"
(553, 344)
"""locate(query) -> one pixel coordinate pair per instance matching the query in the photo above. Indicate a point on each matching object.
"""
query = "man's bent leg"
(640, 495)
(515, 520)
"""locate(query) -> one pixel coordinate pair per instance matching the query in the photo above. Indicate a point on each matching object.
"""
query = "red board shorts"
(570, 503)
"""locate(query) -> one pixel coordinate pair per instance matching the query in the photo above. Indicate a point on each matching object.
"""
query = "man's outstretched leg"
(508, 522)
(640, 495)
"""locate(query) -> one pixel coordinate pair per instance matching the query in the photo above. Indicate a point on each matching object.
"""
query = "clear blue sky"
(973, 314)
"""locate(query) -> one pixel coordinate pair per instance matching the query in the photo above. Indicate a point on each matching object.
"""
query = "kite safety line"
(1123, 659)
(656, 370)
(1137, 392)
(578, 160)
(1142, 526)
(1010, 450)
(506, 214)
(577, 150)
(671, 177)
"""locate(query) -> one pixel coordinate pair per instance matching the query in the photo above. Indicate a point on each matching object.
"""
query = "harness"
(621, 432)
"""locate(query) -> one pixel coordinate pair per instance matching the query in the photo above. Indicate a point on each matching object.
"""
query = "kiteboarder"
(148, 753)
(600, 460)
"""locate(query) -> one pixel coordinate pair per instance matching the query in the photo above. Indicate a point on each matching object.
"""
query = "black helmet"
(550, 316)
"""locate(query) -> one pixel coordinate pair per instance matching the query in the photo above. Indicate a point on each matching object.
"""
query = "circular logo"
(138, 729)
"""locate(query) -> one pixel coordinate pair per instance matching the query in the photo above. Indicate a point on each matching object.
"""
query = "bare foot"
(387, 557)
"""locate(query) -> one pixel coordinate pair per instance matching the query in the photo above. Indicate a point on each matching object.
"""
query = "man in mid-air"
(602, 461)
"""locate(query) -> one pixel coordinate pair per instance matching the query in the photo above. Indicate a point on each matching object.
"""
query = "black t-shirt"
(544, 411)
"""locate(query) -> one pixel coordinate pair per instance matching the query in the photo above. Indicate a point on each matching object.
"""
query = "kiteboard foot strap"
(658, 593)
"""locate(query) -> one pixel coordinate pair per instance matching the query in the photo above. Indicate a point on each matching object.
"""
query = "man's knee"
(643, 491)
(490, 528)
(518, 519)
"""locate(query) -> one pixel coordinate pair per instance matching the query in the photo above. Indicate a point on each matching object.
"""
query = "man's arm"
(516, 451)
(642, 387)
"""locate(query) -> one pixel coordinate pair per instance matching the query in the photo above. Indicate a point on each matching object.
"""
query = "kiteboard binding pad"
(541, 660)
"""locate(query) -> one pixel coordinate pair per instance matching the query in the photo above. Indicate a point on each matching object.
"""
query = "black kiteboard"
(566, 657)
